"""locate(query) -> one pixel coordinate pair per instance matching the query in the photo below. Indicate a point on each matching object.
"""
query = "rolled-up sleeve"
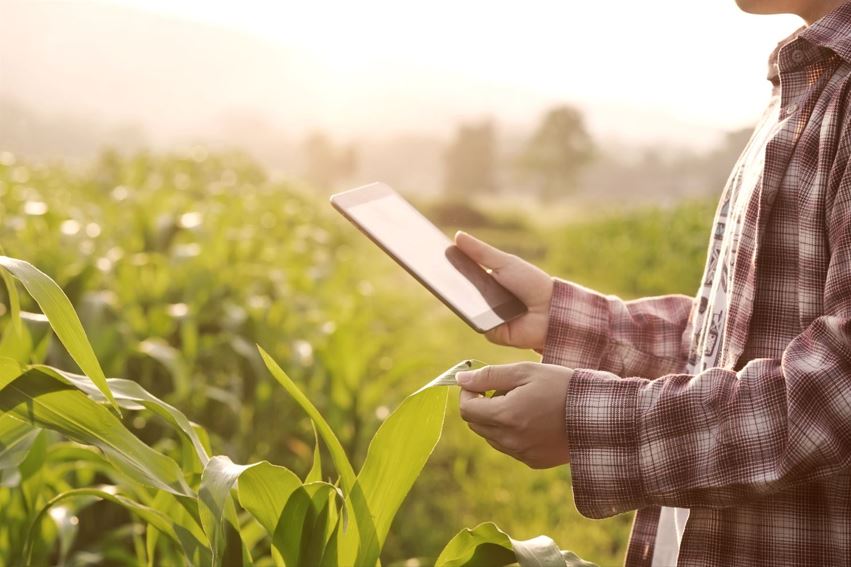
(646, 337)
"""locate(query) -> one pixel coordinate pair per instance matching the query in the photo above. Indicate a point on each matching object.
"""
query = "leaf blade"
(43, 400)
(63, 319)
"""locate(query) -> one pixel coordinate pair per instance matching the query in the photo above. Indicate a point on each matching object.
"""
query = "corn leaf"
(306, 524)
(154, 518)
(335, 448)
(9, 370)
(16, 438)
(447, 378)
(184, 521)
(63, 319)
(42, 400)
(264, 489)
(360, 535)
(315, 472)
(394, 460)
(218, 478)
(132, 396)
(488, 546)
(299, 517)
(14, 300)
(483, 546)
(396, 457)
(16, 342)
(172, 360)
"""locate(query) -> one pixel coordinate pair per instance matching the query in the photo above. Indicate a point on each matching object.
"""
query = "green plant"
(64, 447)
(178, 264)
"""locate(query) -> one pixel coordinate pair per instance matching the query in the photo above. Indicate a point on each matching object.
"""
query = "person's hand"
(526, 423)
(530, 284)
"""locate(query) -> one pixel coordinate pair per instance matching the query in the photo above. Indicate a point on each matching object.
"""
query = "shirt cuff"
(578, 328)
(602, 432)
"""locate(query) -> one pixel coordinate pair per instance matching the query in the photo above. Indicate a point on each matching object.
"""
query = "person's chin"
(758, 7)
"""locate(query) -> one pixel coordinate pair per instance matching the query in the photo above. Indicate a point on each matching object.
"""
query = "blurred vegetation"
(557, 152)
(178, 264)
(471, 161)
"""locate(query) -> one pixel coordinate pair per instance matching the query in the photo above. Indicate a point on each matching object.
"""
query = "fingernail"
(459, 233)
(463, 378)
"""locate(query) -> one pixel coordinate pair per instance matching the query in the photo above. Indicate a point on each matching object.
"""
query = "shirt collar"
(831, 32)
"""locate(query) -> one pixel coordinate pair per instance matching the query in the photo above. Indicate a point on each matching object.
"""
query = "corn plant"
(64, 446)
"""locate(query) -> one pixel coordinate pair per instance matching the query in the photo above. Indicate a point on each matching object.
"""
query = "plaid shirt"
(758, 447)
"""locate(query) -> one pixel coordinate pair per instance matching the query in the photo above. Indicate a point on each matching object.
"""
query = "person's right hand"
(530, 284)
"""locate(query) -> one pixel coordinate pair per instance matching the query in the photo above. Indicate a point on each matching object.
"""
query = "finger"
(482, 252)
(503, 335)
(489, 432)
(529, 283)
(478, 409)
(503, 377)
(491, 435)
(499, 335)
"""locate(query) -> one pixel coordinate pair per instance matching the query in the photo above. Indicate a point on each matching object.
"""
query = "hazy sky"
(678, 72)
(702, 62)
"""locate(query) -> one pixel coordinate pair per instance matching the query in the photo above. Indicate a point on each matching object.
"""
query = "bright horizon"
(706, 70)
(264, 75)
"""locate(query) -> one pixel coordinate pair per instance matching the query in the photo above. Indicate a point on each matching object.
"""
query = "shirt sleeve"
(646, 337)
(720, 437)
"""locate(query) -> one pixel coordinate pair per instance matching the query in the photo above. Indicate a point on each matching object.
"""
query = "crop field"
(200, 366)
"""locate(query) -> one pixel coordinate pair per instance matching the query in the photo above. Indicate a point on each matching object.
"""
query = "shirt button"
(791, 109)
(798, 56)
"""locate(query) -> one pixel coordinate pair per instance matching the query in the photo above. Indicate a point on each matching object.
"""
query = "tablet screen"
(413, 241)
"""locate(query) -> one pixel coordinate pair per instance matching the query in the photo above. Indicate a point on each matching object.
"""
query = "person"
(724, 419)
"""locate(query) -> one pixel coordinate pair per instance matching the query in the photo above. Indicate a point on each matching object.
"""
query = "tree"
(471, 160)
(557, 152)
(326, 164)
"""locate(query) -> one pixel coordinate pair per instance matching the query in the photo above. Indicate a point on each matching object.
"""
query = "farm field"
(179, 266)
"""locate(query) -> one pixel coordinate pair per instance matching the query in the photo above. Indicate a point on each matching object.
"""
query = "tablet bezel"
(483, 322)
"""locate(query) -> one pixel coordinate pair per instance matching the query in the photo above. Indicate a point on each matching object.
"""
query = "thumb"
(503, 377)
(482, 252)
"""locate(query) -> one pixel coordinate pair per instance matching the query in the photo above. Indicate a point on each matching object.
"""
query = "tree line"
(548, 165)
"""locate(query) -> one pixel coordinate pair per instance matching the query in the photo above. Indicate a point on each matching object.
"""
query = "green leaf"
(16, 342)
(448, 377)
(539, 551)
(335, 448)
(264, 489)
(298, 517)
(16, 439)
(324, 518)
(218, 478)
(315, 473)
(488, 546)
(395, 459)
(184, 520)
(172, 360)
(43, 400)
(132, 396)
(63, 319)
(161, 522)
(9, 370)
(360, 535)
(483, 546)
(14, 300)
(306, 524)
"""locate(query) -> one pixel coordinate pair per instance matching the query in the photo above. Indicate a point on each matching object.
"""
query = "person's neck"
(820, 9)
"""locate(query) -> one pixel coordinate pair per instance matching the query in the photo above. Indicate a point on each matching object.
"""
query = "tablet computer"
(429, 255)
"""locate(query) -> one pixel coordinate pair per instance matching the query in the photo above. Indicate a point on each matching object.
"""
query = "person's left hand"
(526, 423)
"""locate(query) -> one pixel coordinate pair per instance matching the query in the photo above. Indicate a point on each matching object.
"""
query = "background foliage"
(178, 264)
